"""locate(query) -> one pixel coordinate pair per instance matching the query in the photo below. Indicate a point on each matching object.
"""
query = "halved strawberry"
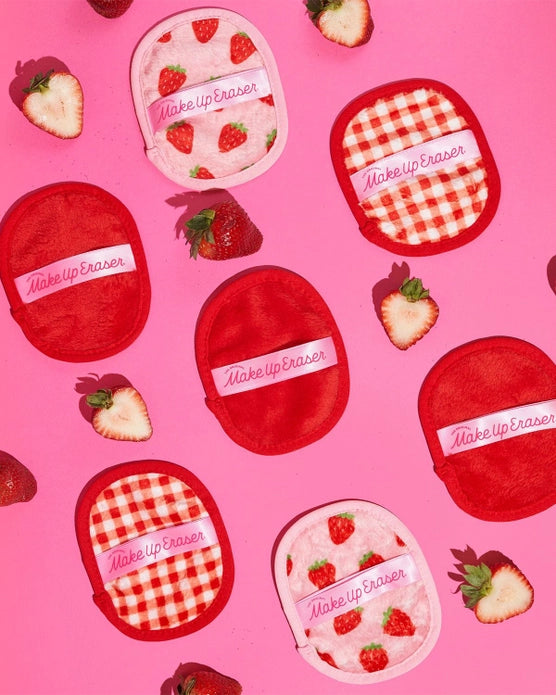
(205, 29)
(180, 135)
(170, 79)
(498, 593)
(346, 22)
(408, 314)
(397, 623)
(54, 103)
(120, 413)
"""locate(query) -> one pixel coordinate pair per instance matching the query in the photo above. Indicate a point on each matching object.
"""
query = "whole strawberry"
(208, 683)
(17, 483)
(221, 232)
(110, 8)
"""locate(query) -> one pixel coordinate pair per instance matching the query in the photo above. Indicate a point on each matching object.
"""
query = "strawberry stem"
(100, 399)
(198, 229)
(39, 83)
(413, 290)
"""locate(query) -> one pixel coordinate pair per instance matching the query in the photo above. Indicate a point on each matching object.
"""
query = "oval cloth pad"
(272, 361)
(414, 165)
(357, 592)
(488, 411)
(74, 271)
(155, 549)
(208, 99)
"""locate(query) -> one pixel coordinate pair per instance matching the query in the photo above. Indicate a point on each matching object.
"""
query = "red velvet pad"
(496, 399)
(74, 271)
(415, 167)
(155, 549)
(265, 330)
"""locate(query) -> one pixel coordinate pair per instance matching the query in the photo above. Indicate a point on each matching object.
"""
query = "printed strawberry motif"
(270, 138)
(400, 542)
(327, 657)
(322, 573)
(165, 38)
(171, 78)
(289, 565)
(370, 559)
(180, 135)
(269, 99)
(340, 527)
(231, 136)
(17, 483)
(496, 593)
(347, 621)
(205, 29)
(397, 623)
(241, 47)
(199, 172)
(120, 413)
(373, 657)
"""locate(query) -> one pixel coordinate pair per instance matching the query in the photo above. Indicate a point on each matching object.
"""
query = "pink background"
(500, 56)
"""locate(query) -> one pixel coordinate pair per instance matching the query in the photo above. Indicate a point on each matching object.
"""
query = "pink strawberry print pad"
(415, 167)
(155, 549)
(208, 99)
(357, 592)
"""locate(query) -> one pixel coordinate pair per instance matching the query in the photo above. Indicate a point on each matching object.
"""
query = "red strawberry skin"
(231, 136)
(241, 47)
(325, 656)
(209, 683)
(370, 559)
(110, 8)
(397, 623)
(289, 565)
(170, 79)
(205, 29)
(340, 528)
(180, 135)
(346, 622)
(373, 657)
(199, 172)
(322, 573)
(17, 483)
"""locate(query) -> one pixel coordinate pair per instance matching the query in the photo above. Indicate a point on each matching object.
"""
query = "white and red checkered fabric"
(170, 592)
(425, 208)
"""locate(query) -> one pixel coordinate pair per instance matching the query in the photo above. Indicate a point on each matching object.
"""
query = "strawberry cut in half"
(17, 483)
(408, 313)
(345, 22)
(54, 103)
(120, 413)
(498, 593)
(221, 232)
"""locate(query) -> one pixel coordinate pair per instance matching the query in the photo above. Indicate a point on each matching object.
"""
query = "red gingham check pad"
(427, 212)
(169, 595)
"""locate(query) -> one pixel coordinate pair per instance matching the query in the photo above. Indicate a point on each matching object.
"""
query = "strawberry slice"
(498, 593)
(54, 103)
(346, 22)
(408, 314)
(120, 413)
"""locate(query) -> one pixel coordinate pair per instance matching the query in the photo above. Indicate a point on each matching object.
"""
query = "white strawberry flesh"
(124, 415)
(56, 106)
(510, 595)
(346, 22)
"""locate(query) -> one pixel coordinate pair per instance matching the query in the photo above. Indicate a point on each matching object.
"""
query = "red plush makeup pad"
(74, 271)
(272, 361)
(415, 167)
(357, 592)
(208, 99)
(488, 411)
(155, 549)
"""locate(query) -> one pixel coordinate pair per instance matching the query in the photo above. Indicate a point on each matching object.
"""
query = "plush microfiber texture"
(271, 360)
(74, 271)
(155, 549)
(357, 592)
(488, 412)
(415, 167)
(208, 99)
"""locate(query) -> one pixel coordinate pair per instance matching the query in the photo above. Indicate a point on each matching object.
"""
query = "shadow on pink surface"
(551, 273)
(26, 71)
(92, 383)
(469, 557)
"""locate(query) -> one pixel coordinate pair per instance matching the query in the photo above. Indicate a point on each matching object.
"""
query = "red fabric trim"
(100, 596)
(508, 479)
(367, 227)
(255, 313)
(83, 322)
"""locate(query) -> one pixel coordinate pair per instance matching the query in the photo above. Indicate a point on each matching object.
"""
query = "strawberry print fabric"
(153, 599)
(428, 212)
(191, 55)
(371, 638)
